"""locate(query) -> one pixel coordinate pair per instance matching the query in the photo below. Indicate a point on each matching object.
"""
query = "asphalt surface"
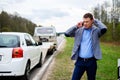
(41, 72)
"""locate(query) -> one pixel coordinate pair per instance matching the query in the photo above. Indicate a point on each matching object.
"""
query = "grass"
(107, 67)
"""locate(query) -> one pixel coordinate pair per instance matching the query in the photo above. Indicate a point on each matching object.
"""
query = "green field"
(107, 67)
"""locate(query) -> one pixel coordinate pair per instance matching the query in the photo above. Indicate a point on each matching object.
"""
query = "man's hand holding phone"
(80, 24)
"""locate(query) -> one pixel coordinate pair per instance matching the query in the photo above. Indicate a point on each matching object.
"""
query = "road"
(37, 73)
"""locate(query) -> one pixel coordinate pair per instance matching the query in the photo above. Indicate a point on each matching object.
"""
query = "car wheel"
(40, 61)
(26, 76)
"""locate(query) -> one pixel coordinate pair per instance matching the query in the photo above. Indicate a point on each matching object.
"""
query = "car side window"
(28, 40)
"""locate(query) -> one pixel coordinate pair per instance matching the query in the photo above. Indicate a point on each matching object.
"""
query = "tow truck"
(48, 37)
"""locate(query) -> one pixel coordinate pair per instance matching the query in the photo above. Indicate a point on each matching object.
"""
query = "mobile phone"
(82, 23)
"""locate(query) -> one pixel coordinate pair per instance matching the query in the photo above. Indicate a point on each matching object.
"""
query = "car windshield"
(9, 41)
(45, 31)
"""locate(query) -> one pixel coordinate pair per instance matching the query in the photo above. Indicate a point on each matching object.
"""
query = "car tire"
(26, 76)
(40, 61)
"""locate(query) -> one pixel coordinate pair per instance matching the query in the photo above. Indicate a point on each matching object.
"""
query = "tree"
(15, 23)
(96, 11)
(4, 21)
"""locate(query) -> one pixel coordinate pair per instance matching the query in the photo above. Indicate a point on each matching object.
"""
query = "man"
(86, 46)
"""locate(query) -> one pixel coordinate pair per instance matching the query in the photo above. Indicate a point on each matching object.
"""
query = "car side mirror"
(36, 44)
(39, 43)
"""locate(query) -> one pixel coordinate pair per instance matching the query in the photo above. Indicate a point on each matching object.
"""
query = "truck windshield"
(45, 31)
(9, 41)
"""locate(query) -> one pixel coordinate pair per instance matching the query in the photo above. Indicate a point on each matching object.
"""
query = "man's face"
(87, 22)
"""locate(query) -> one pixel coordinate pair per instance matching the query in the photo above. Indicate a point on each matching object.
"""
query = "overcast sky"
(60, 13)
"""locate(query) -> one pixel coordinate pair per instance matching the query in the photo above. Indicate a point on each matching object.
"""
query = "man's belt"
(86, 59)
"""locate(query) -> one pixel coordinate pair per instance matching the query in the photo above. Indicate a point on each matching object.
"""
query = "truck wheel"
(26, 76)
(40, 61)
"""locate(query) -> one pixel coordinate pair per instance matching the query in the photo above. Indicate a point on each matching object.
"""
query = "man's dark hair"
(88, 15)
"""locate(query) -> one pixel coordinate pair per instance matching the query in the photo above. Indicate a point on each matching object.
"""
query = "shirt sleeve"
(71, 31)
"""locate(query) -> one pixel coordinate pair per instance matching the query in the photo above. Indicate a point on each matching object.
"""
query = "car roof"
(13, 33)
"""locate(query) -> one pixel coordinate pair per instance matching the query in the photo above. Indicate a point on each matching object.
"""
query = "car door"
(32, 50)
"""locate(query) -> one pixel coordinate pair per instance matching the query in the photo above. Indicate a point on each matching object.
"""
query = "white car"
(19, 53)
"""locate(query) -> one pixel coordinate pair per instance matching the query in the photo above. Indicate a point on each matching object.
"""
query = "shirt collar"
(87, 28)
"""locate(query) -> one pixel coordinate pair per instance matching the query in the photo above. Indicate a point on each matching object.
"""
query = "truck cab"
(47, 35)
